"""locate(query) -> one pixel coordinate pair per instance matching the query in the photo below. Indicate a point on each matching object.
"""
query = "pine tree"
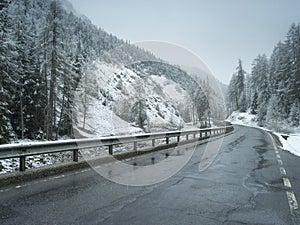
(25, 74)
(294, 117)
(273, 113)
(232, 104)
(248, 90)
(201, 106)
(240, 85)
(7, 65)
(139, 114)
(254, 104)
(236, 90)
(260, 86)
(279, 82)
(293, 51)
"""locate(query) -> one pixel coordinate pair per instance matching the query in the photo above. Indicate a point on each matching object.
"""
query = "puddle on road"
(253, 185)
(262, 163)
(252, 180)
(232, 145)
(261, 150)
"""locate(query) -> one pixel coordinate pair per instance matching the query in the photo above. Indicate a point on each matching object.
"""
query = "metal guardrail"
(23, 150)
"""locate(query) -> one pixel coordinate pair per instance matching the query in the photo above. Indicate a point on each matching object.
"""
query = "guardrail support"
(135, 146)
(75, 155)
(187, 137)
(178, 138)
(22, 163)
(152, 160)
(110, 149)
(167, 140)
(153, 142)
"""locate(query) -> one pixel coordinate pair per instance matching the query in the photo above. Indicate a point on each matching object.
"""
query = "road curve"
(251, 181)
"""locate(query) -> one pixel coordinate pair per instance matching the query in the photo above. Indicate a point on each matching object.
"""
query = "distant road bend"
(251, 181)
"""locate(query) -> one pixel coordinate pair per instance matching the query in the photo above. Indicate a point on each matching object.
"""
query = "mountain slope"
(113, 91)
(45, 47)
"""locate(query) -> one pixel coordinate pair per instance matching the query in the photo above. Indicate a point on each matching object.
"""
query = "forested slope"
(272, 88)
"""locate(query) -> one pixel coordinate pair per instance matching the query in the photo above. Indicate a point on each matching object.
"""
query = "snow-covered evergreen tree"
(294, 117)
(274, 83)
(44, 48)
(7, 66)
(259, 86)
(237, 91)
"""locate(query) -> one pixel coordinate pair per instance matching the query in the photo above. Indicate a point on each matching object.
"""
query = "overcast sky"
(219, 32)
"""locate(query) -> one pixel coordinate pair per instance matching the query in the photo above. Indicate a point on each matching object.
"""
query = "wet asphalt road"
(243, 185)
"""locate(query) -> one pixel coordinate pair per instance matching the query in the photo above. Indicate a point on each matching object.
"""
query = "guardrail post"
(75, 155)
(200, 135)
(110, 149)
(22, 163)
(187, 137)
(178, 138)
(135, 146)
(194, 136)
(167, 140)
(153, 142)
(152, 160)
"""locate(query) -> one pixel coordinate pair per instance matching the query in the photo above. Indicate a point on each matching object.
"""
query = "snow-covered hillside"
(107, 94)
(245, 119)
(291, 143)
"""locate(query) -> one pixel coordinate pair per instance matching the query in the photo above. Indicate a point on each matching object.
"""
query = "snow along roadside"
(291, 144)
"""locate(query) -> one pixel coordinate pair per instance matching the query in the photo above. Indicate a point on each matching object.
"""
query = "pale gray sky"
(219, 32)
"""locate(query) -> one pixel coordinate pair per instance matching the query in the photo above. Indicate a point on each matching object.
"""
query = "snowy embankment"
(290, 142)
(245, 119)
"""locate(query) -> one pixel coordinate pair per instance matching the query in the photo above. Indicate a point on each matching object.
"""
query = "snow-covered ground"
(291, 144)
(245, 119)
(107, 94)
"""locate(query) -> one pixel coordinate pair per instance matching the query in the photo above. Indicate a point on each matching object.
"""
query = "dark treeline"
(43, 52)
(272, 89)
